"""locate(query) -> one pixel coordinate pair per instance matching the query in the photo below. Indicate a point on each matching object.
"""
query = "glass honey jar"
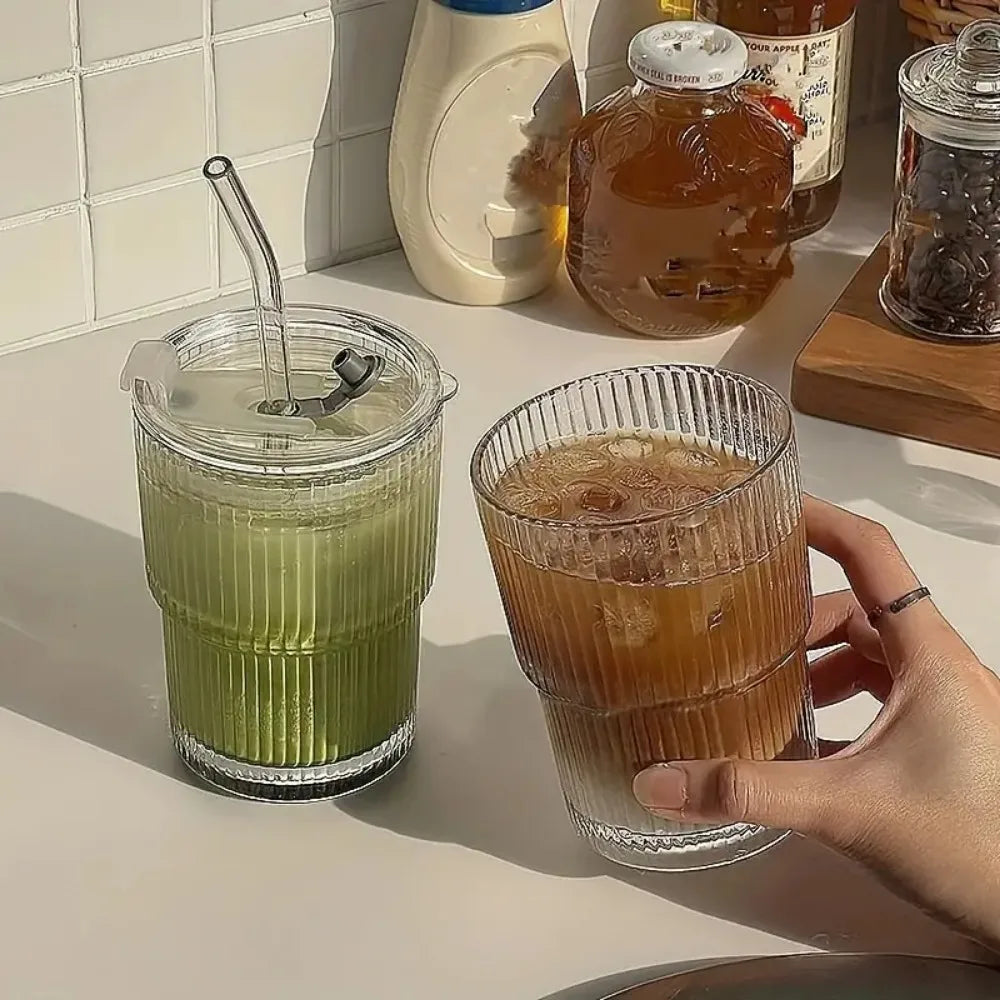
(680, 189)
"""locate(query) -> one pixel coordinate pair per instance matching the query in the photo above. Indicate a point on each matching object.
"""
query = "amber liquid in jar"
(678, 209)
(813, 204)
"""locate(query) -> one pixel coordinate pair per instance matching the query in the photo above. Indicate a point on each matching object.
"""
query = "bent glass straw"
(269, 299)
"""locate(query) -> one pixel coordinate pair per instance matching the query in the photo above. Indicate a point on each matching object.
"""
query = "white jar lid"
(688, 55)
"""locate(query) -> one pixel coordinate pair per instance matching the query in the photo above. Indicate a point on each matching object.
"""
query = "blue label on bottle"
(494, 6)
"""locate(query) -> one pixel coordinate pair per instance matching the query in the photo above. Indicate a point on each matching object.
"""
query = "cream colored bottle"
(477, 160)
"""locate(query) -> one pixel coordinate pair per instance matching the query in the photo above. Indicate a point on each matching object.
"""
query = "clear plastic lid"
(688, 55)
(197, 391)
(952, 92)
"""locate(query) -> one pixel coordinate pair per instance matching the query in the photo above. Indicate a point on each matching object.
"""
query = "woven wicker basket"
(932, 22)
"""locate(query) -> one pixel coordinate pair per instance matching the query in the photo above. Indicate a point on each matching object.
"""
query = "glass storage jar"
(679, 189)
(944, 264)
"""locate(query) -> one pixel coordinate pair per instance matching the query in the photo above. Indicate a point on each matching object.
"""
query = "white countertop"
(459, 876)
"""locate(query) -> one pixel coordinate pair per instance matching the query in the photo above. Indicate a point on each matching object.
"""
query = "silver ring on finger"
(898, 605)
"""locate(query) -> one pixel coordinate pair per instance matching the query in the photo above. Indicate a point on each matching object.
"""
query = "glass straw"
(268, 295)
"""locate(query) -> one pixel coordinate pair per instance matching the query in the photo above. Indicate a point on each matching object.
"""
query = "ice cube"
(531, 501)
(675, 496)
(628, 621)
(564, 551)
(598, 498)
(637, 477)
(693, 459)
(718, 601)
(659, 500)
(566, 462)
(629, 448)
(637, 555)
(729, 542)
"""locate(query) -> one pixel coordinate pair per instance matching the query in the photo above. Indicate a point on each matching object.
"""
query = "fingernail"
(661, 788)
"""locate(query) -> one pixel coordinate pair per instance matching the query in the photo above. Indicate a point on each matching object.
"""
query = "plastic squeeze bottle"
(478, 155)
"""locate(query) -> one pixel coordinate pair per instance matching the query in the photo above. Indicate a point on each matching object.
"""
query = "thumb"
(790, 795)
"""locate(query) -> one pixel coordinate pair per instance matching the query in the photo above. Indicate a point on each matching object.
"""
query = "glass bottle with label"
(800, 50)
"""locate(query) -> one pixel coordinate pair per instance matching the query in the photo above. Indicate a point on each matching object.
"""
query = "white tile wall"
(34, 38)
(271, 90)
(144, 122)
(365, 218)
(229, 14)
(151, 248)
(119, 27)
(366, 99)
(38, 150)
(42, 278)
(108, 108)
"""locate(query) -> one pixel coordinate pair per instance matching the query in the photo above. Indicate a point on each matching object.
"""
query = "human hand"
(917, 797)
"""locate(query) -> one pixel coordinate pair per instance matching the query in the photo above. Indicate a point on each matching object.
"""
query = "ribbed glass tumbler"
(645, 527)
(291, 573)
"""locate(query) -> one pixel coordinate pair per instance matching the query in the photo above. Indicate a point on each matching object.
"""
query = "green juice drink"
(291, 573)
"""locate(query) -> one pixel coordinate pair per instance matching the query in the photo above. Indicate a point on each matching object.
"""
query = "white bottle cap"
(688, 55)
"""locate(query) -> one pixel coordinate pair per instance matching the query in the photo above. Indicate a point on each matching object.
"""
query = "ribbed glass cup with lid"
(680, 188)
(289, 559)
(944, 271)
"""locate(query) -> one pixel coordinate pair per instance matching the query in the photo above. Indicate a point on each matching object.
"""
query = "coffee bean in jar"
(944, 270)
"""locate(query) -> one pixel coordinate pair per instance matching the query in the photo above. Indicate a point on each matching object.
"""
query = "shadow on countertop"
(481, 775)
(559, 305)
(849, 463)
(855, 464)
(80, 652)
(80, 638)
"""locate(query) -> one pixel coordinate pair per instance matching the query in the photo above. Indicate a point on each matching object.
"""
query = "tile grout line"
(87, 263)
(212, 142)
(336, 158)
(287, 23)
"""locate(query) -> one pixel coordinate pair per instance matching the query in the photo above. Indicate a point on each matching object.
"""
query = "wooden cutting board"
(859, 368)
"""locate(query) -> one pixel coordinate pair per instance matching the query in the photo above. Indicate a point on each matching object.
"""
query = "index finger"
(878, 575)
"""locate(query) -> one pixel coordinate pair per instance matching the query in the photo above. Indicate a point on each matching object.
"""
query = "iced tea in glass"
(645, 527)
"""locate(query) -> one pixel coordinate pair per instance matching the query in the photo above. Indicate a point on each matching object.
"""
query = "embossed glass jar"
(944, 260)
(680, 189)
